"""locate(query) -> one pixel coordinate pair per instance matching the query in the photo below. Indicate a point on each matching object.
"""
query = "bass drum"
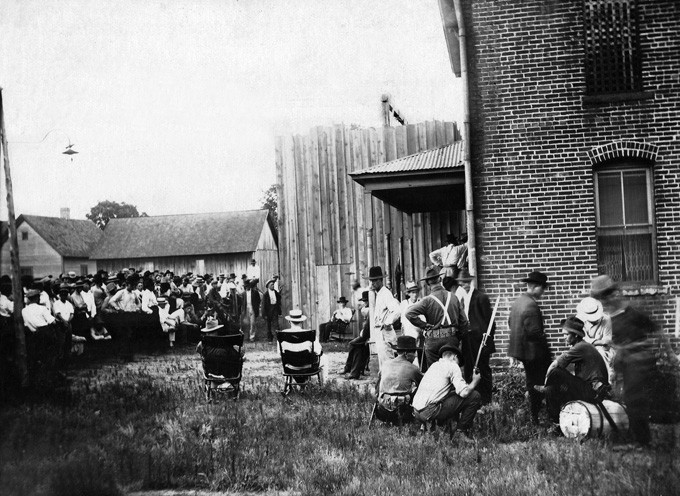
(579, 419)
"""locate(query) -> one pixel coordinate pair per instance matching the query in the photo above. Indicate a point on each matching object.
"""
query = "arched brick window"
(624, 200)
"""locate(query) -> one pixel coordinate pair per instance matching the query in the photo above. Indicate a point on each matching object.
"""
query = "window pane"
(609, 191)
(609, 255)
(638, 260)
(635, 197)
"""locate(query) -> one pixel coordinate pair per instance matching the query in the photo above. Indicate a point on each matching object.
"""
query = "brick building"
(574, 112)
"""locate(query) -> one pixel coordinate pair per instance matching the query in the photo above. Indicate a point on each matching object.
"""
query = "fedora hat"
(451, 238)
(364, 296)
(602, 285)
(295, 315)
(412, 287)
(375, 273)
(573, 325)
(405, 343)
(431, 273)
(464, 275)
(537, 278)
(589, 310)
(111, 287)
(454, 348)
(342, 299)
(211, 325)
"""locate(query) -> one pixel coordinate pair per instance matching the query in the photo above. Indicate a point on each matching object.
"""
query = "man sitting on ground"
(340, 317)
(444, 395)
(590, 381)
(397, 382)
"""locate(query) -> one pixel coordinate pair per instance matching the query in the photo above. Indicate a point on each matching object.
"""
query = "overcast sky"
(174, 105)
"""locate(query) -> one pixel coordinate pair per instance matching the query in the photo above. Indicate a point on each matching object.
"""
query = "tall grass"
(148, 427)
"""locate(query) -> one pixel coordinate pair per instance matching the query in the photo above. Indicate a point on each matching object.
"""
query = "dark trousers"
(453, 406)
(432, 347)
(535, 371)
(400, 415)
(125, 325)
(485, 386)
(357, 358)
(272, 317)
(561, 387)
(636, 368)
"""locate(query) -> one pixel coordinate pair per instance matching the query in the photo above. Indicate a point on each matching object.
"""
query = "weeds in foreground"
(149, 428)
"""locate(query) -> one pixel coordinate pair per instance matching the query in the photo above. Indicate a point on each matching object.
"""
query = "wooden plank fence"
(327, 223)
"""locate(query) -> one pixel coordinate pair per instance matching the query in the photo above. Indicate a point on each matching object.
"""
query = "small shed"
(222, 242)
(52, 245)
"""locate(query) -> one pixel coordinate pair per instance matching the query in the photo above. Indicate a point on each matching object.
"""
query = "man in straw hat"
(444, 318)
(397, 381)
(598, 329)
(341, 317)
(477, 308)
(589, 382)
(528, 342)
(271, 307)
(296, 318)
(443, 393)
(634, 362)
(385, 314)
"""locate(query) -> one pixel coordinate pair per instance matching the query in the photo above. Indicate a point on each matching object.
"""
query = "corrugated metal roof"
(444, 157)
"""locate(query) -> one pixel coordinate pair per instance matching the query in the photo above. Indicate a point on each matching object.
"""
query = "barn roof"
(181, 235)
(69, 237)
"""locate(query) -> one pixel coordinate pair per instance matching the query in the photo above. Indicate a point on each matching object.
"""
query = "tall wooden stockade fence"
(326, 218)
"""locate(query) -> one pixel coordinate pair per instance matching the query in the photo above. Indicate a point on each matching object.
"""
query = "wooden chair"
(301, 362)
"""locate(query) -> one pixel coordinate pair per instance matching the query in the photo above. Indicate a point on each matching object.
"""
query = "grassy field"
(145, 425)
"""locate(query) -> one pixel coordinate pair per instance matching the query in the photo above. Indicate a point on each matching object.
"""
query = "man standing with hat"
(443, 393)
(528, 342)
(589, 382)
(385, 314)
(634, 362)
(340, 317)
(271, 308)
(444, 318)
(397, 381)
(477, 308)
(450, 256)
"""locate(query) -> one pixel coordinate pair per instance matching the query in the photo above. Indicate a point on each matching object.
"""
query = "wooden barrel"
(579, 419)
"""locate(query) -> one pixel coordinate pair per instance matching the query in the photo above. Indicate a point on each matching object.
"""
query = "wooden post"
(14, 260)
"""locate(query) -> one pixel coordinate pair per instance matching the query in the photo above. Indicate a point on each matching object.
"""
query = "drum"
(579, 419)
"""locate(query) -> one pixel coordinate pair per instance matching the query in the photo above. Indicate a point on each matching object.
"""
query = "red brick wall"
(531, 138)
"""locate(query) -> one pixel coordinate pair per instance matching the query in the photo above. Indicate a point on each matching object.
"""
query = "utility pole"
(17, 291)
(388, 111)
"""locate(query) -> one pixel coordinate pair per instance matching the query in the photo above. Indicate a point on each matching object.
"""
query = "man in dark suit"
(528, 342)
(477, 307)
(271, 307)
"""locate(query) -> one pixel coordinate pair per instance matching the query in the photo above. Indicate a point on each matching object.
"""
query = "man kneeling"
(590, 381)
(397, 382)
(444, 395)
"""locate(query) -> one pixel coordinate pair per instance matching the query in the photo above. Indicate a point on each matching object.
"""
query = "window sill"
(618, 97)
(641, 289)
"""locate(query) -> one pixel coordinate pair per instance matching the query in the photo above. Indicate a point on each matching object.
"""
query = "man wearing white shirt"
(386, 313)
(36, 315)
(89, 299)
(253, 272)
(6, 305)
(340, 317)
(450, 257)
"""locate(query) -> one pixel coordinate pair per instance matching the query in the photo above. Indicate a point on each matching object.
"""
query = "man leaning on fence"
(444, 318)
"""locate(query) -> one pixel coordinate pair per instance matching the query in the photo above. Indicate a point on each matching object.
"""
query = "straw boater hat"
(211, 325)
(537, 277)
(405, 343)
(162, 300)
(589, 310)
(574, 326)
(431, 273)
(412, 287)
(375, 273)
(295, 315)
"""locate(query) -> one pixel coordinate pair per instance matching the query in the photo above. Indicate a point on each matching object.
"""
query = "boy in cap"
(444, 395)
(589, 382)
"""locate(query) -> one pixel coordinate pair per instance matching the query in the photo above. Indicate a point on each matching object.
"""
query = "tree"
(106, 210)
(270, 201)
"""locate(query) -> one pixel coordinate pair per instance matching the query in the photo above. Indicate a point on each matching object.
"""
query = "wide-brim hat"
(212, 325)
(342, 299)
(270, 281)
(162, 300)
(451, 347)
(232, 276)
(375, 273)
(451, 238)
(432, 273)
(537, 277)
(412, 287)
(71, 274)
(364, 296)
(573, 325)
(589, 310)
(111, 287)
(601, 285)
(295, 315)
(464, 275)
(32, 293)
(405, 343)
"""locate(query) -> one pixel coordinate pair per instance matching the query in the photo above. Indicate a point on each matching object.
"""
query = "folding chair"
(298, 359)
(222, 365)
(340, 329)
